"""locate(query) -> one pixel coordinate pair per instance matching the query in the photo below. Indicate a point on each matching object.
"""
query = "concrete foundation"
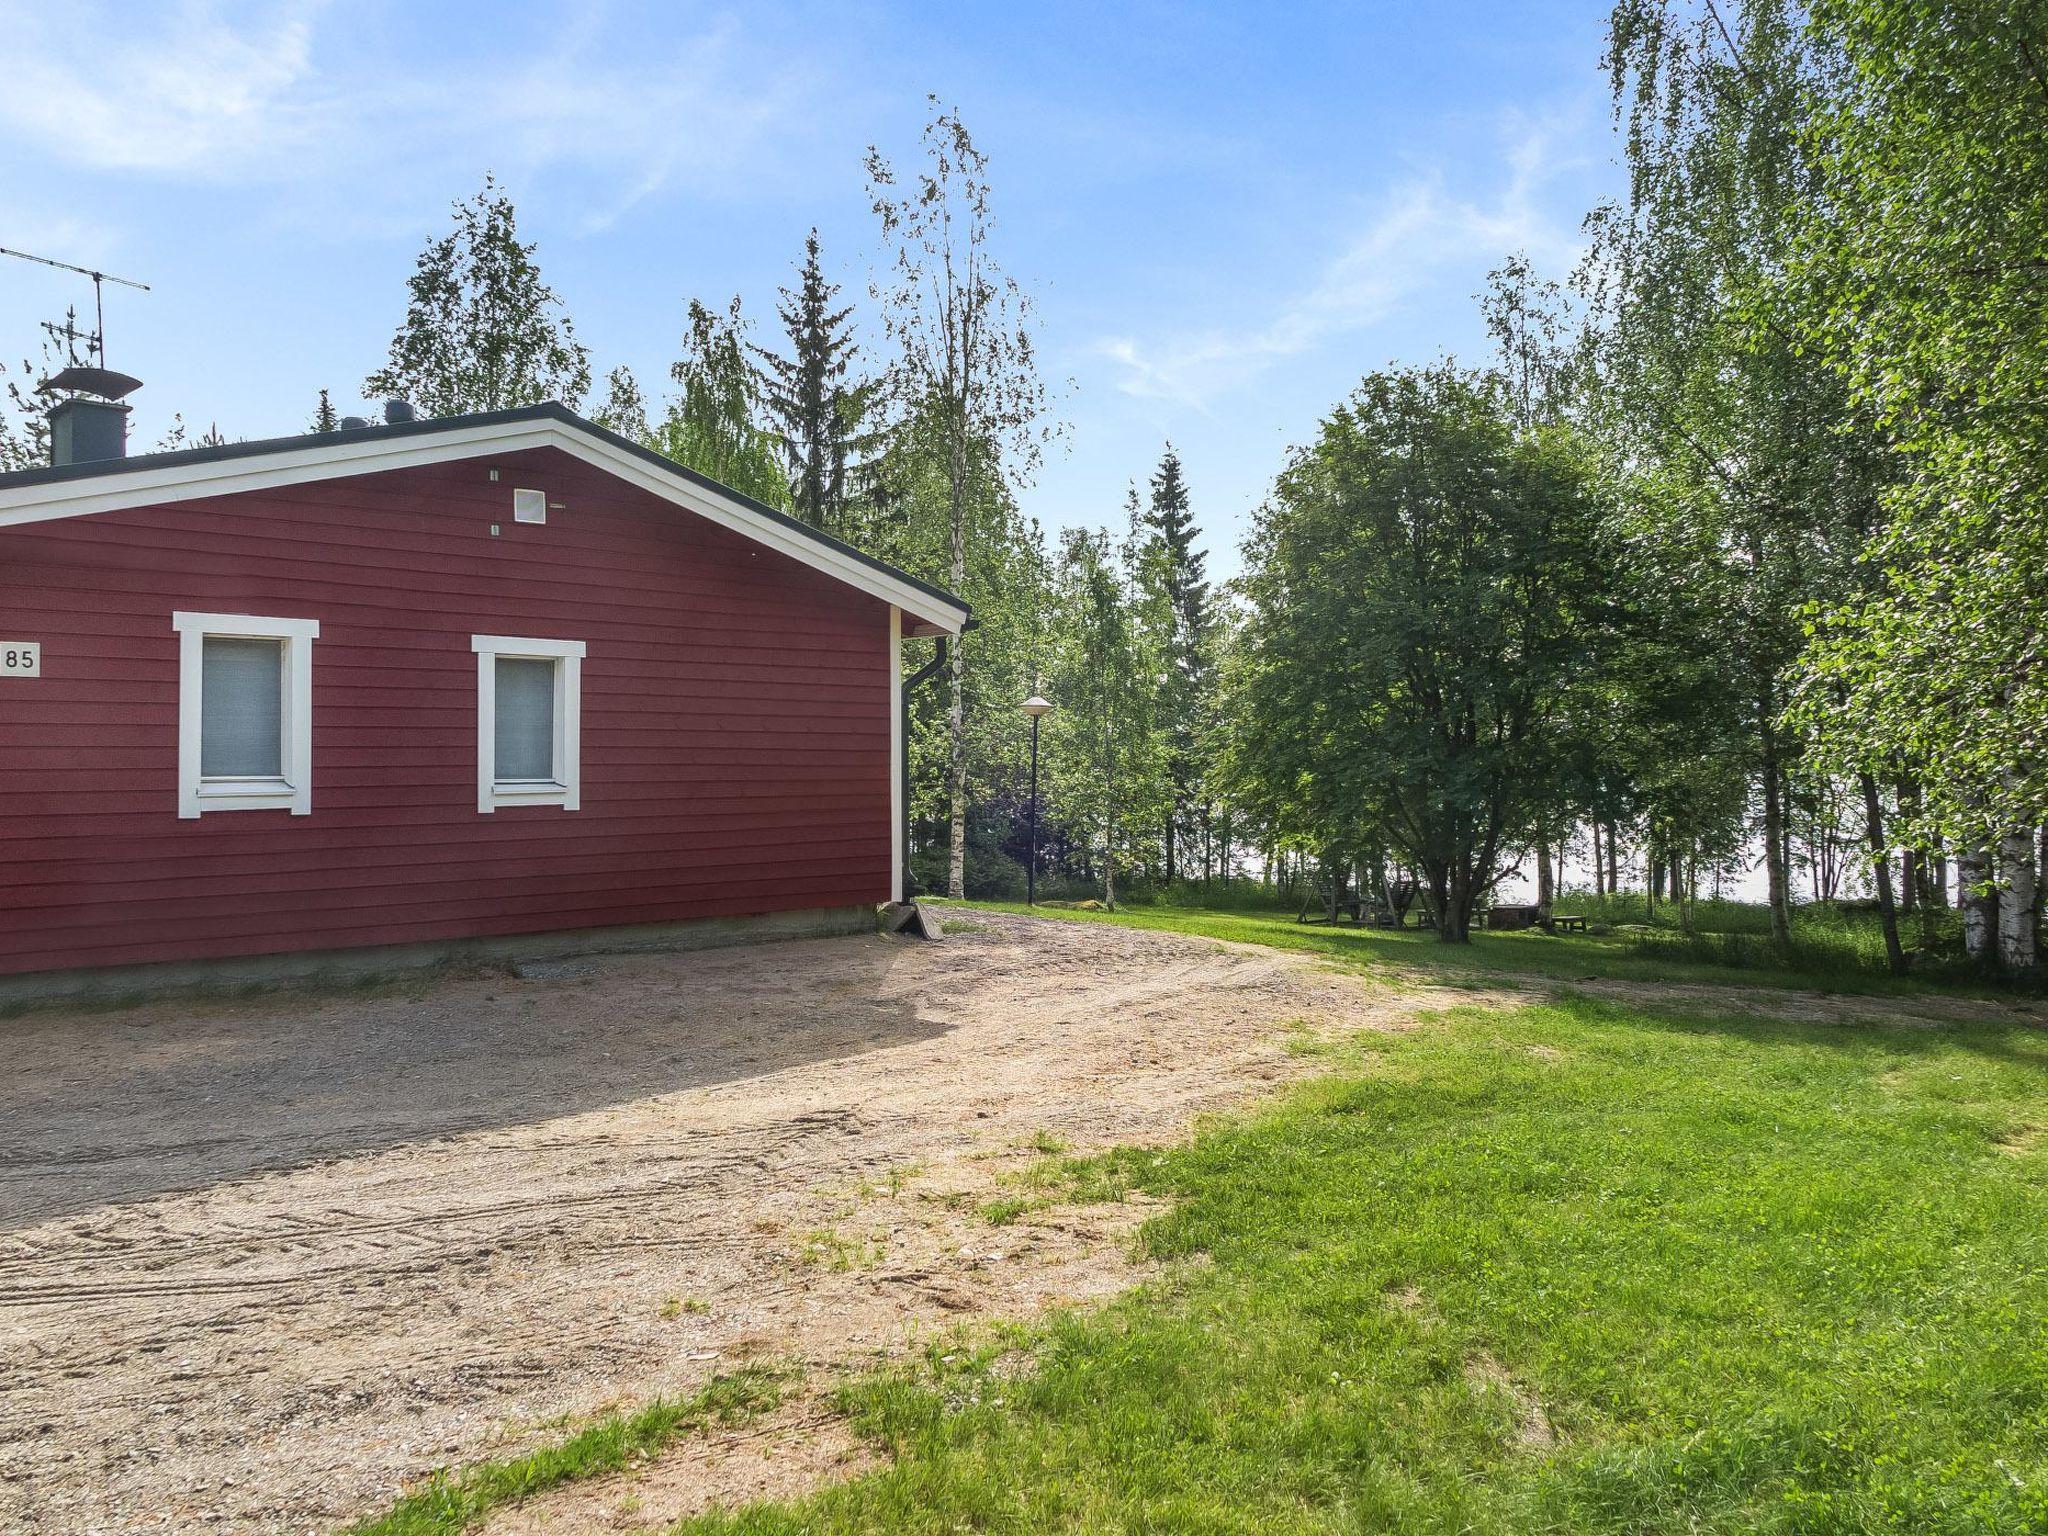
(330, 967)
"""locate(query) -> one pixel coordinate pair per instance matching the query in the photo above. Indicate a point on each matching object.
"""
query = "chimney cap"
(104, 382)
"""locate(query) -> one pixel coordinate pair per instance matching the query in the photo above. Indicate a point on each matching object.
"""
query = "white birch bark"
(2016, 913)
(1979, 904)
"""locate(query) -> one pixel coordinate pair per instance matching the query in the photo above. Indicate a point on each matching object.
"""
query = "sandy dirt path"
(263, 1263)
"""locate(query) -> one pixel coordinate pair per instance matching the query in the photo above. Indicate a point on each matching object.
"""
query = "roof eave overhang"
(372, 453)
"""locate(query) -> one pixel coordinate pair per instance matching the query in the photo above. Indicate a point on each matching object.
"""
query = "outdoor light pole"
(1035, 706)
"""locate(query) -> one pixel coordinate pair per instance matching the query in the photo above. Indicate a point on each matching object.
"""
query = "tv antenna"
(68, 332)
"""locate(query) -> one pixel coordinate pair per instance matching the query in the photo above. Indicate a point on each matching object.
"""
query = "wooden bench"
(1567, 922)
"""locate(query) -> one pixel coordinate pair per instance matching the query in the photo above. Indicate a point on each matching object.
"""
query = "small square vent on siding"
(529, 506)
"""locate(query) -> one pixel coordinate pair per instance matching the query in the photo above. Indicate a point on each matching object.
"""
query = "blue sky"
(1226, 213)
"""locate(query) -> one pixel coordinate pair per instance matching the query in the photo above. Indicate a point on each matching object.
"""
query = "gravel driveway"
(264, 1263)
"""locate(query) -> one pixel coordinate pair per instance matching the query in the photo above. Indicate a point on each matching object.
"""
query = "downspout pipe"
(910, 684)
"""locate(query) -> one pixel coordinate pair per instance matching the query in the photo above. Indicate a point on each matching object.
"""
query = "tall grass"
(1825, 941)
(1828, 944)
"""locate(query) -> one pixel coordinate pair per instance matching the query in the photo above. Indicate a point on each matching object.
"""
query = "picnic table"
(1567, 922)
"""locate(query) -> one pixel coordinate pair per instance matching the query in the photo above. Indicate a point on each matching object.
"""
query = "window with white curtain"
(245, 713)
(529, 700)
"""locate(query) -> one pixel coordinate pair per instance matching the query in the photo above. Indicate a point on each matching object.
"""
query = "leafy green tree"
(817, 410)
(713, 422)
(901, 512)
(1105, 770)
(1927, 253)
(24, 421)
(1424, 592)
(1530, 320)
(1771, 479)
(966, 366)
(481, 332)
(623, 409)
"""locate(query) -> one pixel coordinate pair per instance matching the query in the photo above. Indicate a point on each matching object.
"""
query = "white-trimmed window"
(245, 713)
(529, 707)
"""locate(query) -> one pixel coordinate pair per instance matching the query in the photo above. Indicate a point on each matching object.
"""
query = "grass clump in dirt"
(1001, 1212)
(836, 1251)
(452, 1502)
(1575, 1268)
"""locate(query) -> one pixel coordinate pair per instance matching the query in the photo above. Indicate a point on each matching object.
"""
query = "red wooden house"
(438, 683)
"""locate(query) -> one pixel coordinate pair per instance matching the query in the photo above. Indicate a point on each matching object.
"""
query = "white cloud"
(200, 94)
(297, 97)
(1418, 234)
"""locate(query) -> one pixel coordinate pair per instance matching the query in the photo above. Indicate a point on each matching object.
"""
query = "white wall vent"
(529, 506)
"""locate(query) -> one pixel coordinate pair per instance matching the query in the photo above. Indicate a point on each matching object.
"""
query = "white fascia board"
(260, 472)
(329, 461)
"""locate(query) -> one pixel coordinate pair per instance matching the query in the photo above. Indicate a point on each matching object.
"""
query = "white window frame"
(565, 789)
(292, 789)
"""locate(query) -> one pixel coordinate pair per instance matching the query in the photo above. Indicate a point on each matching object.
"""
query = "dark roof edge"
(549, 410)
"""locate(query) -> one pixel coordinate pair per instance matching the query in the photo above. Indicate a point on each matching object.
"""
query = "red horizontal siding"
(735, 721)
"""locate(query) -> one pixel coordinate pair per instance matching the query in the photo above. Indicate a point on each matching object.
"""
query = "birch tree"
(962, 330)
(1106, 770)
(1927, 260)
(713, 422)
(482, 331)
(1775, 480)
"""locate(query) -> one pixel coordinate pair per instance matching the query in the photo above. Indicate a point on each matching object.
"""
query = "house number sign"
(21, 658)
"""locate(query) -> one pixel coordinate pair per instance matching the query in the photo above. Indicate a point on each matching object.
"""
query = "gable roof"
(76, 490)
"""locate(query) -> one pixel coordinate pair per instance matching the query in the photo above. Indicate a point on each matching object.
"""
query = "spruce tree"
(814, 412)
(324, 417)
(1178, 570)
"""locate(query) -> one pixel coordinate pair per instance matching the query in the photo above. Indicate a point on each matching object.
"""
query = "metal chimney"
(89, 424)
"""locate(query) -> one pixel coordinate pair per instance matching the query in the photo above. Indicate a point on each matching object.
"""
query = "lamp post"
(1035, 706)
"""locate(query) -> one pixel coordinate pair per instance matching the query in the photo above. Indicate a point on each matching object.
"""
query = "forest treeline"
(1735, 548)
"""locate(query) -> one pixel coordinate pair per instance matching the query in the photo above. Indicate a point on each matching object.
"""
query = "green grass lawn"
(1491, 957)
(1568, 1268)
(1571, 1267)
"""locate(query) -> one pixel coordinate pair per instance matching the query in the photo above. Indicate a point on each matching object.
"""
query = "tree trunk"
(1437, 882)
(1937, 877)
(1169, 847)
(1613, 861)
(1912, 862)
(1109, 816)
(1979, 900)
(956, 759)
(1448, 928)
(1774, 841)
(1545, 889)
(1881, 869)
(2016, 903)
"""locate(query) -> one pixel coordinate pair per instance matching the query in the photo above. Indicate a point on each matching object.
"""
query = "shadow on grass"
(1497, 957)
